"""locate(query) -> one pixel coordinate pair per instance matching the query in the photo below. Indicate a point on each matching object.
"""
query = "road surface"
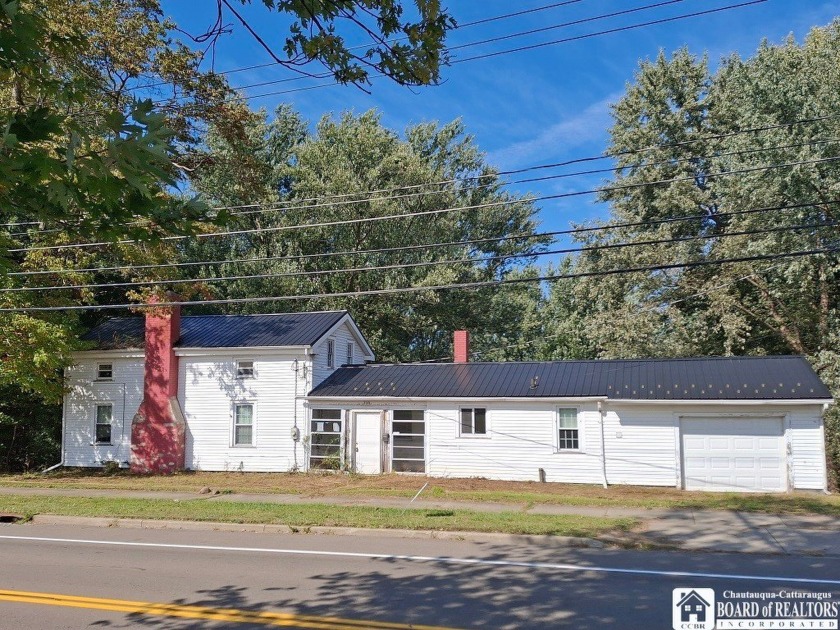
(85, 577)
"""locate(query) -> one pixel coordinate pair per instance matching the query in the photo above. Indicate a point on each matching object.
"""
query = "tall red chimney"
(158, 430)
(462, 346)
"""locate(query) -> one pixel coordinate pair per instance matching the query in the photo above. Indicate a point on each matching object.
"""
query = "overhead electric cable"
(387, 250)
(374, 219)
(430, 263)
(415, 289)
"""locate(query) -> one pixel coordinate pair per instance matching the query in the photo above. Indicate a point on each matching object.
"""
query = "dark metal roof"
(223, 331)
(717, 378)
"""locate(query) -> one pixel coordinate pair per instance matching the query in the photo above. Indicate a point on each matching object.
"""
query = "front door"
(367, 430)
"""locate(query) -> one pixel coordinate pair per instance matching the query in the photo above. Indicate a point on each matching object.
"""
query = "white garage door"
(733, 454)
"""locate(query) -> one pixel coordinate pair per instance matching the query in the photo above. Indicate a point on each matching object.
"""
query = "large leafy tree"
(337, 165)
(681, 150)
(105, 105)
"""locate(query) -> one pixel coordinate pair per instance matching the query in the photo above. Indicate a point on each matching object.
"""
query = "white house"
(298, 392)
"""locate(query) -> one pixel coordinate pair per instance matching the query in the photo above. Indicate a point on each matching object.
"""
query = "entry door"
(367, 431)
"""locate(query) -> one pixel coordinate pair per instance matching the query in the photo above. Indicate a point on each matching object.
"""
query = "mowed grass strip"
(513, 492)
(303, 516)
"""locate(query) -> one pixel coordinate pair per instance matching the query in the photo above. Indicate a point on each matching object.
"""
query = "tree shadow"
(487, 596)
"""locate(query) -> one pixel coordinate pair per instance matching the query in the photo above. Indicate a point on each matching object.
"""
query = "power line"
(399, 290)
(392, 41)
(432, 263)
(386, 250)
(553, 27)
(424, 212)
(273, 208)
(595, 18)
(611, 31)
(531, 47)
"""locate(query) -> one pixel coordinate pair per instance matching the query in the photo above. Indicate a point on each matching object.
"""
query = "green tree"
(703, 165)
(341, 162)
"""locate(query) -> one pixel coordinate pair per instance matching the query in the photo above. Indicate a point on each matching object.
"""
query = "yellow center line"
(205, 612)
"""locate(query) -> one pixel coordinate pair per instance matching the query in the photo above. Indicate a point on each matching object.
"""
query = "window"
(409, 441)
(244, 369)
(473, 421)
(330, 353)
(104, 371)
(104, 417)
(349, 353)
(568, 430)
(325, 439)
(243, 424)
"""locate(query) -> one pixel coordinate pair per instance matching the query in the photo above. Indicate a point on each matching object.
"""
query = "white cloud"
(585, 127)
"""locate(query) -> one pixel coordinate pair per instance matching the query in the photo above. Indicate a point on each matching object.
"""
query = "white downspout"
(602, 414)
(63, 436)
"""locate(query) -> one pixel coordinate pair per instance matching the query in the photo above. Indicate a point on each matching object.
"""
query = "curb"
(256, 528)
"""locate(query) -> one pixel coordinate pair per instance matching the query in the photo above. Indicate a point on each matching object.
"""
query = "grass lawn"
(303, 516)
(344, 485)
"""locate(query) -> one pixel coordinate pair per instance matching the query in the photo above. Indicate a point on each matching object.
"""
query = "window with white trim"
(568, 429)
(408, 449)
(325, 439)
(244, 369)
(104, 371)
(243, 424)
(330, 353)
(474, 421)
(104, 423)
(349, 353)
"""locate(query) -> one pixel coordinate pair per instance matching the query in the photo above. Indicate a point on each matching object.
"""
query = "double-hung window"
(325, 439)
(349, 353)
(104, 420)
(473, 421)
(104, 371)
(330, 353)
(568, 430)
(243, 424)
(244, 369)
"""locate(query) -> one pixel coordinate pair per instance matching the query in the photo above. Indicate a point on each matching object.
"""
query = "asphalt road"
(79, 577)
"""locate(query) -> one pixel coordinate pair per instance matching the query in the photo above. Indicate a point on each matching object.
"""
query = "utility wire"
(330, 204)
(553, 27)
(459, 285)
(595, 18)
(392, 41)
(374, 219)
(426, 246)
(610, 31)
(432, 263)
(629, 27)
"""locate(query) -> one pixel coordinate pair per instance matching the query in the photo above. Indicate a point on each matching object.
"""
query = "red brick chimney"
(158, 430)
(462, 346)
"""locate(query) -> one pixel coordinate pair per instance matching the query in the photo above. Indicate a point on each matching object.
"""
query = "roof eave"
(724, 401)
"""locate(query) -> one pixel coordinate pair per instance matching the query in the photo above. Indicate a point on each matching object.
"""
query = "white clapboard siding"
(124, 392)
(640, 448)
(520, 440)
(341, 336)
(208, 391)
(807, 449)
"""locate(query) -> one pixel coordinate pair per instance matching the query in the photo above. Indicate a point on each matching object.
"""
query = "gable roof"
(717, 378)
(692, 595)
(222, 331)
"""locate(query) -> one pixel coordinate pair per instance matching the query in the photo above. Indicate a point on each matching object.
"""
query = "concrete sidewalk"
(694, 530)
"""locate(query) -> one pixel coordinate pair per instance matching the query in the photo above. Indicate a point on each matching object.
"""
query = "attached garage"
(734, 454)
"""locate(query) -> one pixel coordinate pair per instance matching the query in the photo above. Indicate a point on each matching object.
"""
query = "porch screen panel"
(325, 434)
(408, 431)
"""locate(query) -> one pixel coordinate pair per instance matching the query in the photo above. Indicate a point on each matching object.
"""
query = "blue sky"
(540, 106)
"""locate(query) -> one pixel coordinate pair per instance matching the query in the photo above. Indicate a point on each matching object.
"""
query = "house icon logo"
(693, 608)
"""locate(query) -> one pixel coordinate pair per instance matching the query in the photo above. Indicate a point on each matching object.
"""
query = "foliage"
(30, 439)
(337, 165)
(681, 151)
